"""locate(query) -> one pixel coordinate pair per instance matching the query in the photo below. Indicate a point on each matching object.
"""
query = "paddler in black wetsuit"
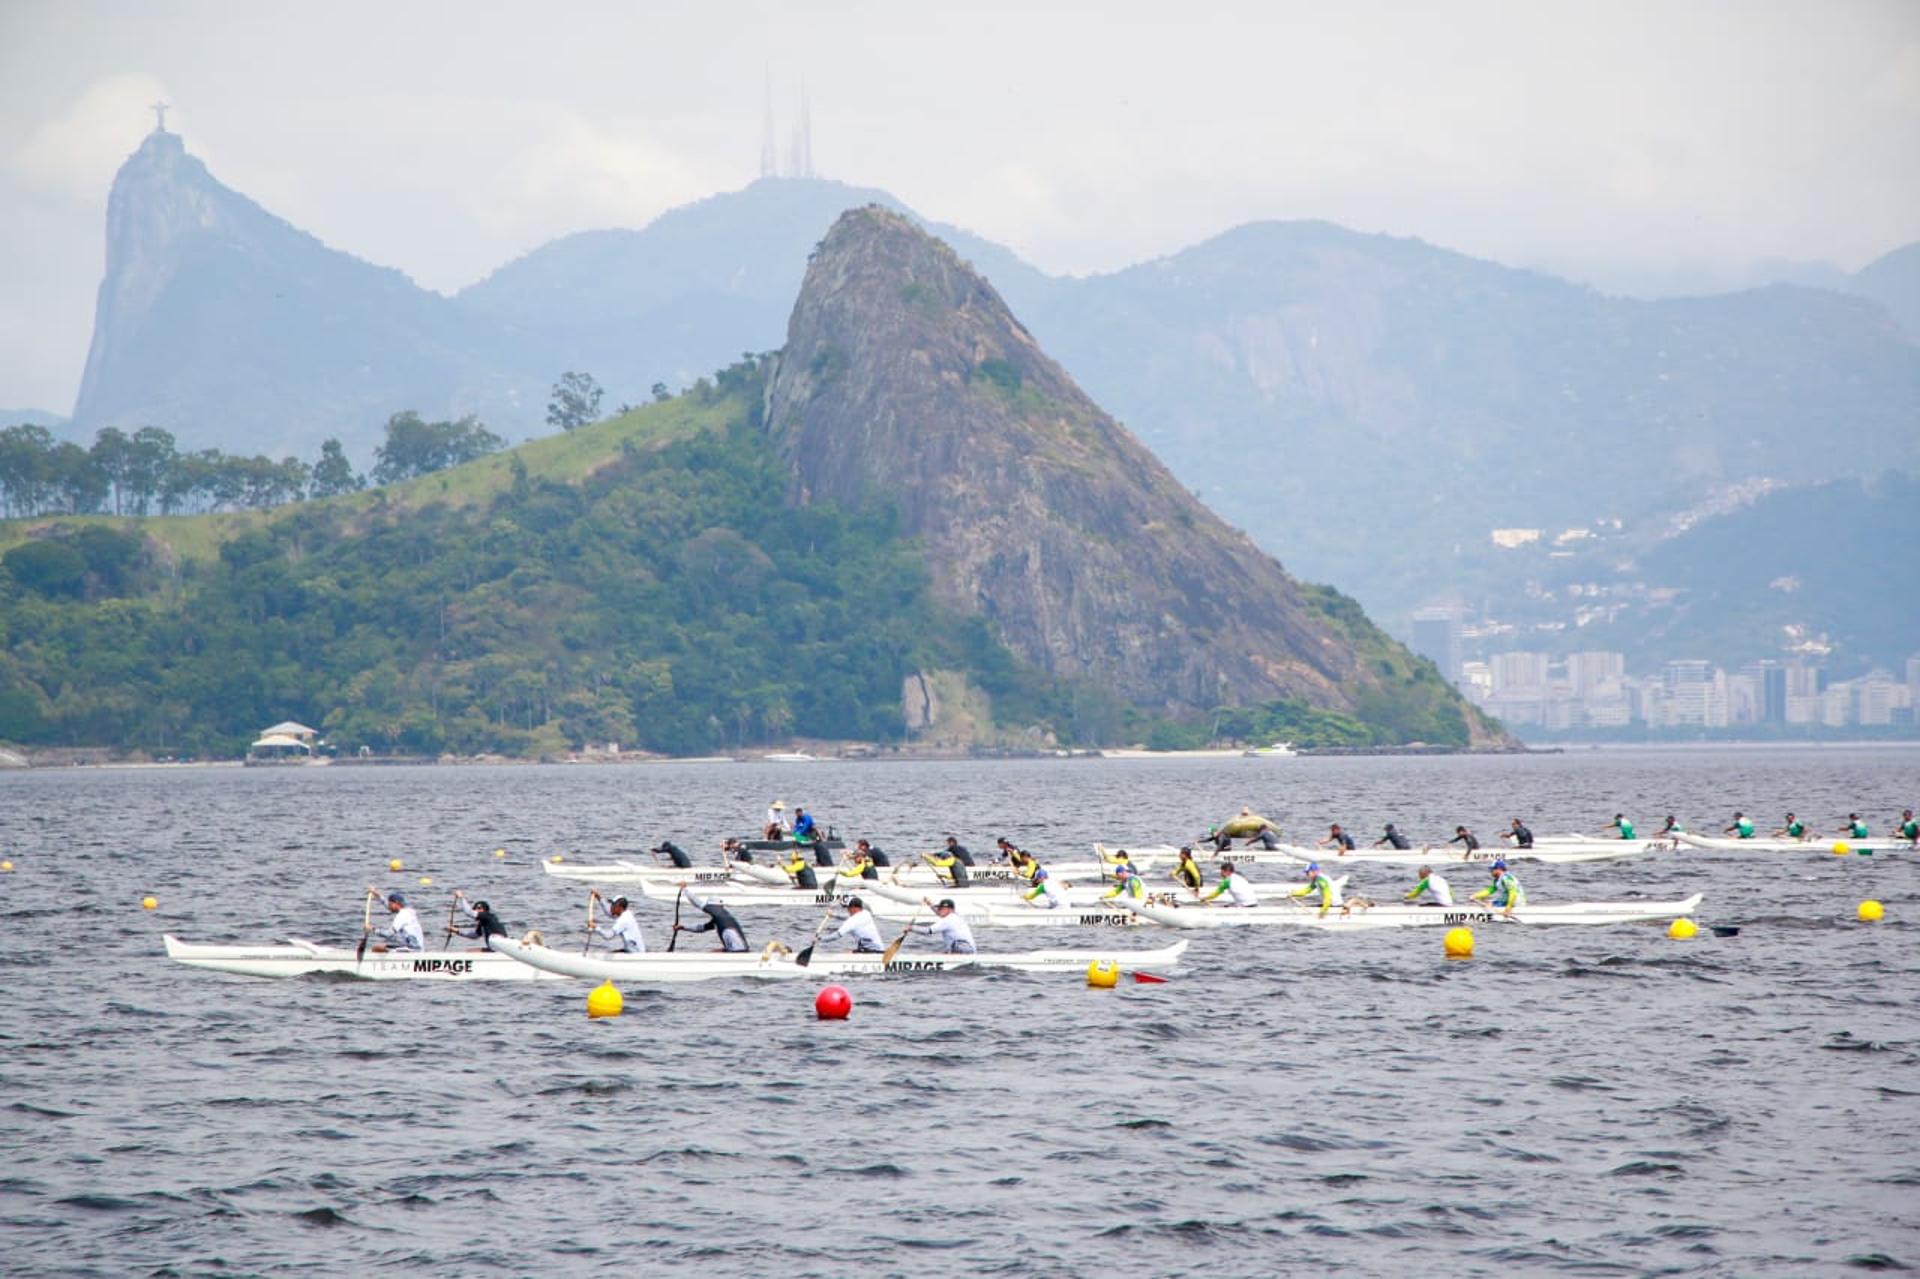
(872, 853)
(1519, 834)
(859, 864)
(675, 854)
(486, 924)
(1463, 836)
(1393, 837)
(720, 922)
(958, 850)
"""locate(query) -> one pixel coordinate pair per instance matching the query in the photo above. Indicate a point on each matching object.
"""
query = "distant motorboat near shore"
(790, 757)
(1279, 750)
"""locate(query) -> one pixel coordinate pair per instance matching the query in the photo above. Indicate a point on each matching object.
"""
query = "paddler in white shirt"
(859, 925)
(1233, 885)
(776, 820)
(1318, 882)
(403, 924)
(949, 927)
(1432, 886)
(624, 930)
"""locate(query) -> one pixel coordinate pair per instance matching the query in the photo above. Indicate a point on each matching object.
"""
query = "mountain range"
(907, 520)
(1367, 407)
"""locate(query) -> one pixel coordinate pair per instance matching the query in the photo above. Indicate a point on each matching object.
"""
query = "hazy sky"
(1615, 142)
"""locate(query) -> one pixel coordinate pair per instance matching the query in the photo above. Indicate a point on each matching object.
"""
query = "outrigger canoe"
(630, 872)
(1353, 916)
(1551, 854)
(297, 957)
(841, 964)
(1824, 844)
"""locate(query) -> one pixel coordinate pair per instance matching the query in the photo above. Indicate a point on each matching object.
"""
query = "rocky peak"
(906, 378)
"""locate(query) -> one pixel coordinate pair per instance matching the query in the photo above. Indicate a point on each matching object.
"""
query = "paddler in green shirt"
(1504, 891)
(1907, 828)
(1855, 828)
(1621, 824)
(1672, 828)
(1318, 882)
(1127, 882)
(1742, 827)
(1794, 829)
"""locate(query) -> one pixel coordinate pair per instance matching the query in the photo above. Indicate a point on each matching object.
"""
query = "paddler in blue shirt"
(1621, 824)
(1504, 891)
(1336, 838)
(1742, 827)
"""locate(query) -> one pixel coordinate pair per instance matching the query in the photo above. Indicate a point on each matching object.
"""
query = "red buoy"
(833, 1003)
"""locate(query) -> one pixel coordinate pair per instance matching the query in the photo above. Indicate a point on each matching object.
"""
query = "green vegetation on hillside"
(639, 580)
(664, 597)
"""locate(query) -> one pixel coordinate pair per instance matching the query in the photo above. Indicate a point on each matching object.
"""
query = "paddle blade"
(1148, 979)
(805, 956)
(886, 956)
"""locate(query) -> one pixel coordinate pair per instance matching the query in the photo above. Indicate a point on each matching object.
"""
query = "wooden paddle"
(805, 956)
(366, 928)
(452, 904)
(674, 939)
(593, 896)
(886, 956)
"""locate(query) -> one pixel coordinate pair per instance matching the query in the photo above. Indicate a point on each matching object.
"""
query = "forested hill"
(637, 581)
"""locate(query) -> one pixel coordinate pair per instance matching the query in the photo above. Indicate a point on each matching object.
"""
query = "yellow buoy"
(1871, 912)
(1458, 943)
(556, 859)
(151, 903)
(604, 1001)
(426, 881)
(396, 864)
(1681, 929)
(1103, 974)
(1841, 849)
(499, 852)
(6, 866)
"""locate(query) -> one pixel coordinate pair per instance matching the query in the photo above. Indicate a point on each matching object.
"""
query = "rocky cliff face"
(232, 328)
(905, 378)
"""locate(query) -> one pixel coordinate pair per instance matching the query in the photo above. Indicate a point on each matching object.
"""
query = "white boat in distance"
(843, 964)
(1279, 750)
(790, 757)
(1824, 844)
(1354, 917)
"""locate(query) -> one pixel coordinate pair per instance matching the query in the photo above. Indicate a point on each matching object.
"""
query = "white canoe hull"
(627, 872)
(1550, 854)
(1824, 844)
(1165, 855)
(840, 964)
(298, 958)
(1400, 915)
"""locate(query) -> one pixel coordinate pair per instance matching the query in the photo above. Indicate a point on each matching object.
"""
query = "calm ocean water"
(1571, 1101)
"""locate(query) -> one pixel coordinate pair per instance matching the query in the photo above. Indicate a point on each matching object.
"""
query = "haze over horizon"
(1639, 149)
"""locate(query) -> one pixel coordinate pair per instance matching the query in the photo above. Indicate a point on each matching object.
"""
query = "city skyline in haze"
(1639, 148)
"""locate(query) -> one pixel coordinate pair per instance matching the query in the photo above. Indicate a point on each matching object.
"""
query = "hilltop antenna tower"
(769, 158)
(802, 159)
(159, 110)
